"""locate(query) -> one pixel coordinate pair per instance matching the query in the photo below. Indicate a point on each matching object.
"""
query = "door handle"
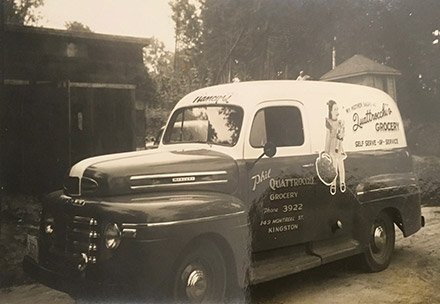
(308, 165)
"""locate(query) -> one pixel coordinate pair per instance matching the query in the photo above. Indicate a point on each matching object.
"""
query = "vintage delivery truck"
(251, 181)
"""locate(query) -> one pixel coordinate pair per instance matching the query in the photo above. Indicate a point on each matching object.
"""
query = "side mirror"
(150, 143)
(270, 149)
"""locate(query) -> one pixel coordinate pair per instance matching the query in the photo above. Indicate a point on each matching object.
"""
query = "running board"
(276, 264)
(332, 250)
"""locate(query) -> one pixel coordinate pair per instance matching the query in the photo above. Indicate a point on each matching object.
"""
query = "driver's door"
(281, 189)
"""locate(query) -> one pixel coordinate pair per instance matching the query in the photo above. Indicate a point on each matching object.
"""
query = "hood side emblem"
(178, 179)
(183, 179)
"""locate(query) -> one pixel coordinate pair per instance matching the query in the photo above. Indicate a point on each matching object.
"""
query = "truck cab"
(251, 181)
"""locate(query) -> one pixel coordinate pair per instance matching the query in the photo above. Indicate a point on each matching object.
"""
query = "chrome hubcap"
(196, 284)
(379, 238)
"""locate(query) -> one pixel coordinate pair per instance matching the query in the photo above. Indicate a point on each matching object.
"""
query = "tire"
(381, 235)
(200, 276)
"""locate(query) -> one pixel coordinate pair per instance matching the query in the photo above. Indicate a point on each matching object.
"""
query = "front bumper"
(60, 281)
(134, 265)
(71, 235)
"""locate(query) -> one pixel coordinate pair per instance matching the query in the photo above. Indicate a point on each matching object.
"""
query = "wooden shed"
(361, 70)
(66, 96)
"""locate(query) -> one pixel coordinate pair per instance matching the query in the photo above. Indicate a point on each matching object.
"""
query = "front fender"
(156, 230)
(165, 226)
(175, 208)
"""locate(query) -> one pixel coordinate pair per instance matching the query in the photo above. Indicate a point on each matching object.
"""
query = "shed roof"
(75, 34)
(358, 65)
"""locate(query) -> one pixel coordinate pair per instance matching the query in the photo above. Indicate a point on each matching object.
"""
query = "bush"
(427, 169)
(19, 215)
(424, 138)
(156, 119)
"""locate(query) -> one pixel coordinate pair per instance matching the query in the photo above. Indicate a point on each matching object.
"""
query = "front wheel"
(377, 257)
(200, 276)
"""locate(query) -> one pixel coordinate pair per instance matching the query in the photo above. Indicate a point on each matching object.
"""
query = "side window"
(258, 131)
(280, 125)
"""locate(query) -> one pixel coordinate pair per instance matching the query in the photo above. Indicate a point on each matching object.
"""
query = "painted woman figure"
(333, 145)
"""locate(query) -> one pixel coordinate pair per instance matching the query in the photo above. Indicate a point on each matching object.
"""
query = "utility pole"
(334, 53)
(216, 81)
(176, 47)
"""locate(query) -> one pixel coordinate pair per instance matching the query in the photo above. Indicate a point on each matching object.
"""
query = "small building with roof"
(361, 70)
(66, 96)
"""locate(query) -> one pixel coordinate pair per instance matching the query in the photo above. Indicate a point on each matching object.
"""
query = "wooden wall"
(66, 98)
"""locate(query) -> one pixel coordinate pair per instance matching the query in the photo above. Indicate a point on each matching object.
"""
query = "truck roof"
(371, 117)
(248, 93)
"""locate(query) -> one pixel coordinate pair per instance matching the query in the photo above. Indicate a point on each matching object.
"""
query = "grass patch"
(19, 215)
(427, 169)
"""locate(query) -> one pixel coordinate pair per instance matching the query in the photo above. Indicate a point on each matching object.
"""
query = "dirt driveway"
(413, 277)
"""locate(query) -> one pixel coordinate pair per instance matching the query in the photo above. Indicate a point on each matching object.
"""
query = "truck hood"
(152, 171)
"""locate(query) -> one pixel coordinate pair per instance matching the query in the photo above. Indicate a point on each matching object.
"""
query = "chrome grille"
(82, 236)
(68, 240)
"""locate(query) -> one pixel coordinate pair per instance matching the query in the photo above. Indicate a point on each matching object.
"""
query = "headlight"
(112, 236)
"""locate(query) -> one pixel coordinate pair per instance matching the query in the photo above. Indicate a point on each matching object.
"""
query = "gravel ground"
(412, 277)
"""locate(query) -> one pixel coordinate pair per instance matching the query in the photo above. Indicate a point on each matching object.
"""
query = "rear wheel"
(201, 276)
(377, 257)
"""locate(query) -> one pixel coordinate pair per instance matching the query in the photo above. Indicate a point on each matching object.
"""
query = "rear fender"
(387, 186)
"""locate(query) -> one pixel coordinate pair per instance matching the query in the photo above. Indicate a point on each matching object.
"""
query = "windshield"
(218, 125)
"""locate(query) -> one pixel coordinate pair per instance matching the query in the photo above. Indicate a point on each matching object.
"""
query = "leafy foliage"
(169, 85)
(188, 25)
(275, 39)
(157, 59)
(76, 26)
(21, 11)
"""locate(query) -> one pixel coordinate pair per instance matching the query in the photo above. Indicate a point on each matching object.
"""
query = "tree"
(22, 11)
(275, 39)
(168, 85)
(188, 31)
(76, 26)
(156, 58)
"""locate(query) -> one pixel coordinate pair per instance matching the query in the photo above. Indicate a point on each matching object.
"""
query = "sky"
(137, 18)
